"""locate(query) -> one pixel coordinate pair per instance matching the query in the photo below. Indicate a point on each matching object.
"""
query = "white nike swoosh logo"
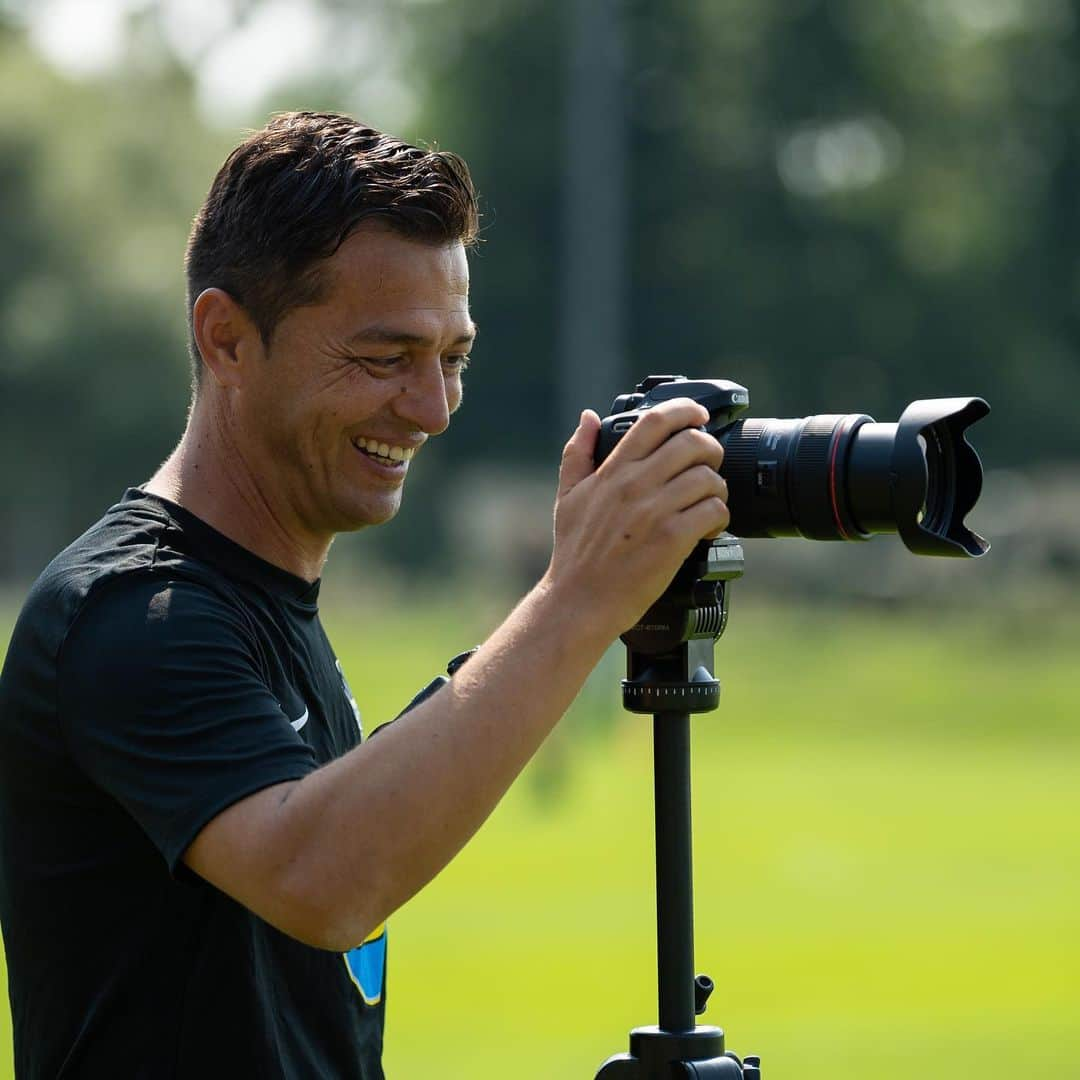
(300, 721)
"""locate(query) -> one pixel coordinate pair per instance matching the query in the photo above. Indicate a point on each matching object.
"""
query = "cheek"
(298, 427)
(280, 402)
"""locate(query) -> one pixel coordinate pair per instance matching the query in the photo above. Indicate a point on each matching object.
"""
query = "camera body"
(832, 477)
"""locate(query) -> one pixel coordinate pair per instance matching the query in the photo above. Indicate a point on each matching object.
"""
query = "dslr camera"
(833, 477)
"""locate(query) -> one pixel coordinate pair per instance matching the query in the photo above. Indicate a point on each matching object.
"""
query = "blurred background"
(842, 205)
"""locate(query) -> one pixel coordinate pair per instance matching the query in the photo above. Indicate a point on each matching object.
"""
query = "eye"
(456, 364)
(380, 363)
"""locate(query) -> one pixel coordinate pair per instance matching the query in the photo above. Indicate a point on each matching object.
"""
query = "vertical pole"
(674, 871)
(592, 340)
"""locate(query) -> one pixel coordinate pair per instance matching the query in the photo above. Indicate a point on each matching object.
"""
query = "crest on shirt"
(366, 965)
(349, 698)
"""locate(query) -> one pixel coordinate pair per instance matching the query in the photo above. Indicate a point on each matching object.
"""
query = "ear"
(227, 338)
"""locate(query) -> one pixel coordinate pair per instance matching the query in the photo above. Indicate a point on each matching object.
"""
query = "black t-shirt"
(158, 673)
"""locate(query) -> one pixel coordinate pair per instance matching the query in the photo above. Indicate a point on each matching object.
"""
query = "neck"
(210, 474)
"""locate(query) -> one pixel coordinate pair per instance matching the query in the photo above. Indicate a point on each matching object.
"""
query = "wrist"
(584, 624)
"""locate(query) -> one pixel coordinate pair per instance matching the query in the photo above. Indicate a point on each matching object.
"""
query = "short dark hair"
(290, 194)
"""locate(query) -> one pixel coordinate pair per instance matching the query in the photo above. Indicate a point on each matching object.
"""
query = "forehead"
(378, 273)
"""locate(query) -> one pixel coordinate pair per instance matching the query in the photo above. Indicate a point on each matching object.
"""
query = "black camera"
(833, 477)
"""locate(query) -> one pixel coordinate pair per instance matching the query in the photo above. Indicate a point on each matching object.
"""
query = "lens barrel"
(846, 477)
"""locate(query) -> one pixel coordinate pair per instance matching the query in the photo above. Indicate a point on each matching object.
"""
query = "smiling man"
(198, 852)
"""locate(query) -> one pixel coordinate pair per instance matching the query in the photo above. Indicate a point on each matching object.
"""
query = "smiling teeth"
(385, 450)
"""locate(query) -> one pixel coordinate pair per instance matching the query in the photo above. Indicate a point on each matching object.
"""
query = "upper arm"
(245, 851)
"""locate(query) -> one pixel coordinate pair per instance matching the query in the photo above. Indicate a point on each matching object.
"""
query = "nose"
(426, 398)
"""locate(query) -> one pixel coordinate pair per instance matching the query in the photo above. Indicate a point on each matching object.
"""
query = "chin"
(355, 518)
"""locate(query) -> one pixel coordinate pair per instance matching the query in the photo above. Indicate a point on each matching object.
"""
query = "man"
(197, 852)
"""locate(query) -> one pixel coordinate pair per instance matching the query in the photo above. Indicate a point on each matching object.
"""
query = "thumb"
(577, 458)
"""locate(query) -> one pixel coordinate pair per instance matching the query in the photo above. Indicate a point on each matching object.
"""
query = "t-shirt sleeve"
(164, 706)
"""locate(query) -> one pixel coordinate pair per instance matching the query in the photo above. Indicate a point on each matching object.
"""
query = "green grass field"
(887, 827)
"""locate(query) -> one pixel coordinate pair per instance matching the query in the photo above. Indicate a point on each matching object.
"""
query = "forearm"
(372, 828)
(326, 858)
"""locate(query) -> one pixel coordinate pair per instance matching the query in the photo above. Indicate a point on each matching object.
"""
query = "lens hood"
(937, 477)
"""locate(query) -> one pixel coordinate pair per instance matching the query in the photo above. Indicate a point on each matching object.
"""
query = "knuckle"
(653, 419)
(706, 447)
(690, 441)
(689, 483)
(701, 479)
(688, 404)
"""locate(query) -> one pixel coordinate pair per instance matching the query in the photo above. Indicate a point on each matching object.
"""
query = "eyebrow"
(389, 335)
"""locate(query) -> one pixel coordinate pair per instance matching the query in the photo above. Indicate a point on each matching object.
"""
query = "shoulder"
(125, 539)
(151, 614)
(131, 571)
(122, 542)
(148, 653)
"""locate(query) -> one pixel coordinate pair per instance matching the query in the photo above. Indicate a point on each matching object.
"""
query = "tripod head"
(669, 651)
(669, 673)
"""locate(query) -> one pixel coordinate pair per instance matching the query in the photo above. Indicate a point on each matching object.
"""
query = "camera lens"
(846, 477)
(782, 476)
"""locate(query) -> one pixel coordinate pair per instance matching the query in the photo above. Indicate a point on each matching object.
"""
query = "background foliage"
(843, 205)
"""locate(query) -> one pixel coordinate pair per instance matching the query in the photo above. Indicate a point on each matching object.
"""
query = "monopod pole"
(674, 871)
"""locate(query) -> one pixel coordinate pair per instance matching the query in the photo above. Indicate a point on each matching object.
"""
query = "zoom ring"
(741, 445)
(810, 499)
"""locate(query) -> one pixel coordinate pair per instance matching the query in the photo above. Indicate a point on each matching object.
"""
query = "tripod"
(669, 673)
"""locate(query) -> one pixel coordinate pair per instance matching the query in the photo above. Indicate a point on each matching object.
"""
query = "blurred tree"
(849, 205)
(843, 205)
(846, 206)
(99, 183)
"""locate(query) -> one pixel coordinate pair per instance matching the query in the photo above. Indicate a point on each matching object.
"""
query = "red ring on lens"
(834, 450)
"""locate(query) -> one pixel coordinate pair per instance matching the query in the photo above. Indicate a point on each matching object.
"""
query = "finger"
(683, 450)
(655, 426)
(727, 519)
(693, 485)
(577, 458)
(706, 519)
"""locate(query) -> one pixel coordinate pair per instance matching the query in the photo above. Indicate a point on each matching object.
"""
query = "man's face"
(351, 387)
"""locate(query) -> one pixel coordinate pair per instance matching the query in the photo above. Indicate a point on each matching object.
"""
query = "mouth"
(385, 454)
